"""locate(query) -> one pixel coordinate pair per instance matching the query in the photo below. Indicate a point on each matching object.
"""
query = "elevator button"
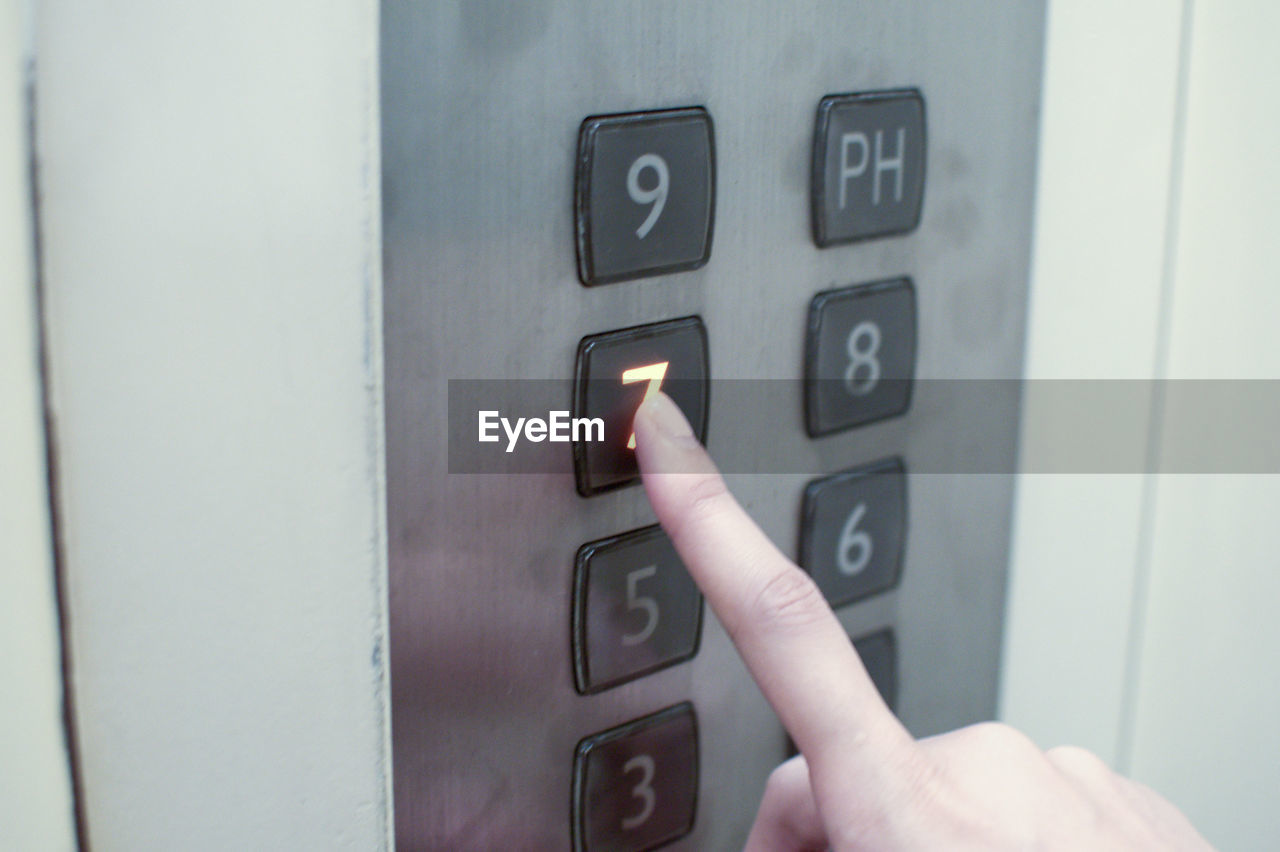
(615, 371)
(859, 355)
(868, 165)
(879, 655)
(853, 529)
(635, 786)
(645, 194)
(635, 609)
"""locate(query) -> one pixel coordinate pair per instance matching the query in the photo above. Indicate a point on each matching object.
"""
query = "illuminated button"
(859, 356)
(868, 166)
(635, 609)
(645, 194)
(615, 371)
(853, 530)
(635, 786)
(879, 655)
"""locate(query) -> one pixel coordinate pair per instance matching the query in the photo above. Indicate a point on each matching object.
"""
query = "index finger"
(779, 621)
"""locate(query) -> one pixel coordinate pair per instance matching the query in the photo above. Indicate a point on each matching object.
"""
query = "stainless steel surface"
(481, 107)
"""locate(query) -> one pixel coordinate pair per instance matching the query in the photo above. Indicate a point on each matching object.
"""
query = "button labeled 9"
(644, 199)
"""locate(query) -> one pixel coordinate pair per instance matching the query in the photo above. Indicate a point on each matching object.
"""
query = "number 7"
(653, 374)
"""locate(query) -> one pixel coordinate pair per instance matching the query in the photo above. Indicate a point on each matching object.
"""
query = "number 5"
(636, 601)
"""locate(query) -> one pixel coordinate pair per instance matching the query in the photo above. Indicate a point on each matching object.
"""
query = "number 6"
(851, 539)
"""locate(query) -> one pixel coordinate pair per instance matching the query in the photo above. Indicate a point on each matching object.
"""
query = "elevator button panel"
(635, 610)
(868, 166)
(635, 787)
(853, 530)
(645, 194)
(586, 202)
(860, 355)
(615, 372)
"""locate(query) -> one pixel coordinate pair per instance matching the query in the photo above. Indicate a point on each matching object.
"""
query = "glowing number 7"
(652, 373)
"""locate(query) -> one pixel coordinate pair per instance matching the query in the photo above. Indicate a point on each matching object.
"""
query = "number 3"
(642, 791)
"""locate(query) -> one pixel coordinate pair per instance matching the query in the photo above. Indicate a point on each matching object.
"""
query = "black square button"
(860, 355)
(868, 165)
(635, 609)
(635, 787)
(879, 654)
(853, 530)
(614, 373)
(645, 194)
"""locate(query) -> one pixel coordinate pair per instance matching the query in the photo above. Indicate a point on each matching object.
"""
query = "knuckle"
(705, 498)
(1078, 759)
(997, 738)
(788, 600)
(701, 499)
(779, 782)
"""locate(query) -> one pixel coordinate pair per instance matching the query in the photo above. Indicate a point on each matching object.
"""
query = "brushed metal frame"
(482, 103)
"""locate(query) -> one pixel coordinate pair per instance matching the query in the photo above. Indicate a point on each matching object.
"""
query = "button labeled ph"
(868, 166)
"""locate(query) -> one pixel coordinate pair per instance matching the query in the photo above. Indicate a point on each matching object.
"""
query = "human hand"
(861, 781)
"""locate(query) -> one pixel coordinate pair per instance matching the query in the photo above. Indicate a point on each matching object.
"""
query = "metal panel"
(482, 103)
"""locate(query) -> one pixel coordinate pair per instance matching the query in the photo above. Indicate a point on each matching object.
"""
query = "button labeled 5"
(635, 609)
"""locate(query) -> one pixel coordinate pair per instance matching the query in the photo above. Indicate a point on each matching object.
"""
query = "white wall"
(1207, 684)
(209, 203)
(35, 785)
(1099, 277)
(1142, 609)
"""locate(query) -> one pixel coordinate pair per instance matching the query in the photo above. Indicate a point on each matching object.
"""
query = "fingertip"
(665, 442)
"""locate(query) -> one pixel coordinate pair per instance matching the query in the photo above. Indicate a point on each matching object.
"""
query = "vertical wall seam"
(1143, 562)
(49, 422)
(375, 385)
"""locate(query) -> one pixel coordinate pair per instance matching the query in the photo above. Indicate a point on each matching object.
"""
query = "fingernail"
(667, 417)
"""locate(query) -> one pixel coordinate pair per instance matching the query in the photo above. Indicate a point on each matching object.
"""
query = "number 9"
(656, 196)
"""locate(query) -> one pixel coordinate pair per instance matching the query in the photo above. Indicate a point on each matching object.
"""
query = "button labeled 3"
(644, 195)
(635, 786)
(868, 166)
(853, 529)
(635, 609)
(859, 355)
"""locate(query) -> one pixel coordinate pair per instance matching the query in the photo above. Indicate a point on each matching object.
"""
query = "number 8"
(863, 346)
